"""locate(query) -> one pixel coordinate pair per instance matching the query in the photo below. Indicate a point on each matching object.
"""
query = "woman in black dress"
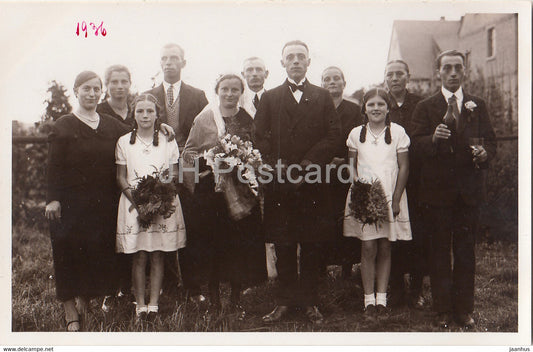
(233, 250)
(82, 198)
(118, 83)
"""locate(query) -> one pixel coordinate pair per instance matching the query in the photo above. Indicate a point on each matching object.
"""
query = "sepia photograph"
(264, 168)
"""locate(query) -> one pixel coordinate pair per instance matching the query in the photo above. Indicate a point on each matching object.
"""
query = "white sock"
(381, 298)
(370, 300)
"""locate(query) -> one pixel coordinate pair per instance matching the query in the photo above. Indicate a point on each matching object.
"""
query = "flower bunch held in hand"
(368, 202)
(234, 154)
(154, 195)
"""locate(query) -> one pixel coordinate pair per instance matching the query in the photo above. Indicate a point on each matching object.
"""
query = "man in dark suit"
(180, 104)
(451, 186)
(255, 73)
(181, 101)
(406, 256)
(297, 129)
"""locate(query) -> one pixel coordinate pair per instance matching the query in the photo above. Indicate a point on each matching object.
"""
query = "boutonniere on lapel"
(470, 105)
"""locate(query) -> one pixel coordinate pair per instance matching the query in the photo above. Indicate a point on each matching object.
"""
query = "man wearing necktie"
(297, 127)
(451, 185)
(180, 103)
(255, 73)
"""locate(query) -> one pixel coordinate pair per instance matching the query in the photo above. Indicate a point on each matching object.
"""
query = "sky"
(39, 41)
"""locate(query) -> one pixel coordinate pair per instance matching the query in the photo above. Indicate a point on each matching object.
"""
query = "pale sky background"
(39, 43)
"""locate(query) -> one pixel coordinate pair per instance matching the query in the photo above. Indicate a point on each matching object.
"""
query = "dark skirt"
(224, 249)
(341, 250)
(83, 246)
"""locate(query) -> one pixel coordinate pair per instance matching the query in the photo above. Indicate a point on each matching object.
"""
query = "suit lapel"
(288, 104)
(301, 109)
(465, 114)
(159, 93)
(184, 97)
(441, 105)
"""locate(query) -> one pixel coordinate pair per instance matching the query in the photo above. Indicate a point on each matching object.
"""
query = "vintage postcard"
(265, 173)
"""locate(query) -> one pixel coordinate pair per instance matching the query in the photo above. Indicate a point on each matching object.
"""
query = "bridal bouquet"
(368, 202)
(154, 195)
(235, 164)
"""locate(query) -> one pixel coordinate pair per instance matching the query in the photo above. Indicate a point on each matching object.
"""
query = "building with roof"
(489, 41)
(490, 45)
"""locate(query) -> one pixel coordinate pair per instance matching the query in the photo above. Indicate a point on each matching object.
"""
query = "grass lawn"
(35, 307)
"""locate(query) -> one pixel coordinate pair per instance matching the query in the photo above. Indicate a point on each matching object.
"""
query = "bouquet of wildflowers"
(368, 202)
(154, 195)
(235, 164)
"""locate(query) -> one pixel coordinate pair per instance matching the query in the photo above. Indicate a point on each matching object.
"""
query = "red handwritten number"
(84, 28)
(95, 28)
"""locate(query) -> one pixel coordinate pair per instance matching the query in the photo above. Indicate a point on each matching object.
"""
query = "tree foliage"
(57, 102)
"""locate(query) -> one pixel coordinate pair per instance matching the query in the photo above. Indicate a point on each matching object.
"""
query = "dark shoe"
(141, 313)
(198, 299)
(314, 315)
(369, 312)
(442, 320)
(241, 313)
(382, 312)
(465, 320)
(346, 271)
(418, 302)
(276, 314)
(153, 311)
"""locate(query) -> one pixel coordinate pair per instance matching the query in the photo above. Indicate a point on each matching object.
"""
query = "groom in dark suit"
(180, 104)
(451, 186)
(297, 128)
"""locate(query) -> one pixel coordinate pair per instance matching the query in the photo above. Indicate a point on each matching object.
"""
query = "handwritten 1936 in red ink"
(82, 28)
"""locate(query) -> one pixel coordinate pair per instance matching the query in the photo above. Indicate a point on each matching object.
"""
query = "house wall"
(501, 69)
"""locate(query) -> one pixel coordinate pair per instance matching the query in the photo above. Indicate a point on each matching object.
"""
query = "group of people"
(420, 151)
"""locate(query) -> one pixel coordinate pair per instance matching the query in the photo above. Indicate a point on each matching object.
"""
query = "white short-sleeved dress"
(164, 234)
(379, 160)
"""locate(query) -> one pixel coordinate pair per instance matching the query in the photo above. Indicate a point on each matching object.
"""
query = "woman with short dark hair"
(81, 200)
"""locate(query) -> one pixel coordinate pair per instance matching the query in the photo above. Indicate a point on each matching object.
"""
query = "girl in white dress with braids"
(379, 148)
(136, 155)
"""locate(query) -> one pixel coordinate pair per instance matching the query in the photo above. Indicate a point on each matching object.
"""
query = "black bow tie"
(294, 87)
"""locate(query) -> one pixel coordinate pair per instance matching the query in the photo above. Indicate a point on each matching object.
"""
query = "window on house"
(491, 42)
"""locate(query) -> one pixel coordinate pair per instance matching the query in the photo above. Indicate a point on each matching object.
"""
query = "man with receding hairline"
(180, 104)
(254, 73)
(451, 187)
(297, 127)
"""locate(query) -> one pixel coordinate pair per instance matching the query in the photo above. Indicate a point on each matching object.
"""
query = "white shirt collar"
(176, 86)
(251, 94)
(294, 82)
(458, 94)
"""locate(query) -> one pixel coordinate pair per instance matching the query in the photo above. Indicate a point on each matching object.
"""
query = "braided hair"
(157, 123)
(374, 92)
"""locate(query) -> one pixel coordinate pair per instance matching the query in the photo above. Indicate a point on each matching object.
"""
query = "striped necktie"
(170, 95)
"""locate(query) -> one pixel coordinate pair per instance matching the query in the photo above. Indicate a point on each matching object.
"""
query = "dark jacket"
(447, 170)
(293, 132)
(192, 101)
